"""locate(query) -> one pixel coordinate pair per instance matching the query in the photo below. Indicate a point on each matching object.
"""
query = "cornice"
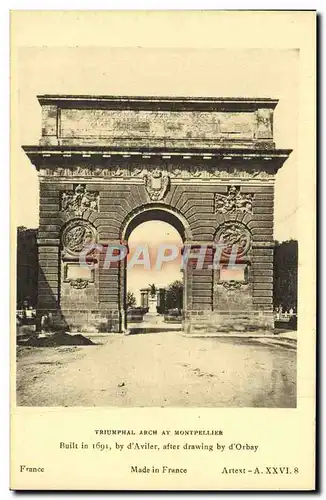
(173, 103)
(37, 153)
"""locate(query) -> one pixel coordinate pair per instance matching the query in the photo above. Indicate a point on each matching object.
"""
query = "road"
(158, 369)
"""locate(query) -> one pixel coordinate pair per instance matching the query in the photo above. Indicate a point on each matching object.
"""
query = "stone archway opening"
(154, 284)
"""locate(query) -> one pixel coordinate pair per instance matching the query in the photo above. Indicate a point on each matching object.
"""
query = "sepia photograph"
(157, 252)
(163, 233)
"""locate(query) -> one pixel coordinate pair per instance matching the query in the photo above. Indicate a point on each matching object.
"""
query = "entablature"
(149, 122)
(96, 157)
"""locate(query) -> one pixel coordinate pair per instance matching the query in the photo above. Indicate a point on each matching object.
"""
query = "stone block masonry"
(205, 165)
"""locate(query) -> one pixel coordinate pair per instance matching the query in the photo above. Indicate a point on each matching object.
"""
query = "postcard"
(163, 250)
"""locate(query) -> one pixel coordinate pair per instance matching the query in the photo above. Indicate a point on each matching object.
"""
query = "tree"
(131, 300)
(174, 296)
(27, 266)
(286, 274)
(152, 290)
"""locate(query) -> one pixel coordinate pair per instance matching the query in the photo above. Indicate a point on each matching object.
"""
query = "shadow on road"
(151, 329)
(55, 340)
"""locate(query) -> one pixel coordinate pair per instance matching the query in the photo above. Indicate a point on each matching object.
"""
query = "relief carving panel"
(233, 201)
(77, 276)
(79, 200)
(139, 171)
(156, 184)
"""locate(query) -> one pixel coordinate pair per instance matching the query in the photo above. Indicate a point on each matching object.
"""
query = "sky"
(154, 71)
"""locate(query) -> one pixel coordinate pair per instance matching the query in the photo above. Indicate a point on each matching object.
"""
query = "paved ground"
(159, 369)
(153, 323)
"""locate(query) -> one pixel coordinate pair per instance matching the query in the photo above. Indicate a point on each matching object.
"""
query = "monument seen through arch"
(154, 277)
(106, 164)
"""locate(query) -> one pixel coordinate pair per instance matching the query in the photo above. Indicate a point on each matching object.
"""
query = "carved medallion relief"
(76, 238)
(235, 239)
(77, 235)
(234, 234)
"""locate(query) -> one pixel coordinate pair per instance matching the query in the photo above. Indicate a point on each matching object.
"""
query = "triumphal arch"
(205, 165)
